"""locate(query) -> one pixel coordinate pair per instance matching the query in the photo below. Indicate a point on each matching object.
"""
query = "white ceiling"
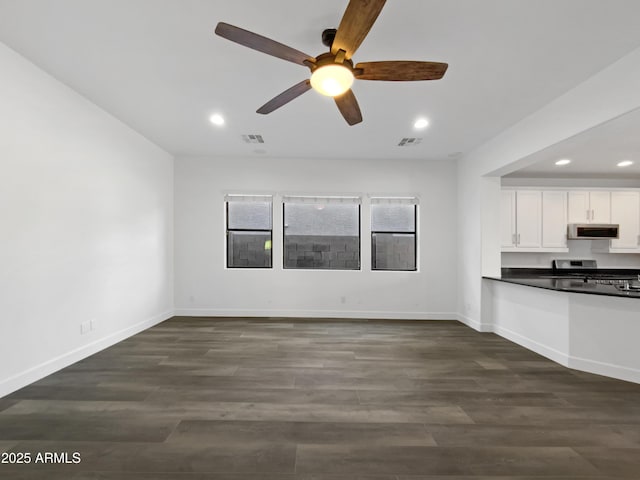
(157, 66)
(594, 153)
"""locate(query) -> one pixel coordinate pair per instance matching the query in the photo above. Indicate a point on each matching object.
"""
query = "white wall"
(85, 226)
(535, 318)
(204, 287)
(577, 249)
(607, 348)
(612, 92)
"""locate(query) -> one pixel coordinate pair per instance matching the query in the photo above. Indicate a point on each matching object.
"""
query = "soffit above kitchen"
(158, 67)
(608, 151)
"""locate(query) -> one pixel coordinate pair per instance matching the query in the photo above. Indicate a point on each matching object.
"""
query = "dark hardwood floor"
(242, 399)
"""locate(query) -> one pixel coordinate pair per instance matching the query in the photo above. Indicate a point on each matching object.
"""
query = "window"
(249, 231)
(322, 233)
(393, 233)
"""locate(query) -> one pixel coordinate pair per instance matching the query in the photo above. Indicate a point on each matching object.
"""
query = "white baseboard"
(551, 353)
(606, 369)
(38, 372)
(378, 315)
(478, 326)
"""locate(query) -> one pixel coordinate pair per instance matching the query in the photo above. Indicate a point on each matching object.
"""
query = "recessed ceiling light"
(216, 119)
(421, 123)
(564, 161)
(625, 163)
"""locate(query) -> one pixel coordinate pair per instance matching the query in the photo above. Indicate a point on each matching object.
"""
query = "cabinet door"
(554, 219)
(578, 211)
(600, 204)
(625, 211)
(508, 219)
(528, 218)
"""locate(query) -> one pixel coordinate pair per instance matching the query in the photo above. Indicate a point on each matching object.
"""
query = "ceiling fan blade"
(348, 106)
(356, 22)
(400, 71)
(285, 97)
(262, 44)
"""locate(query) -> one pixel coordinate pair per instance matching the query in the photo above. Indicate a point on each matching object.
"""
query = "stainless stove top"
(587, 271)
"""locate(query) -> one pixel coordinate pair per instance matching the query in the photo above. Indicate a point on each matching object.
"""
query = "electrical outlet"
(85, 327)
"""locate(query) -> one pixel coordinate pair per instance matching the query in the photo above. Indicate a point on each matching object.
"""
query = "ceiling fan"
(333, 73)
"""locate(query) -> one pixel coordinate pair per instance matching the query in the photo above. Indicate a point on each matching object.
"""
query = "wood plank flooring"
(248, 399)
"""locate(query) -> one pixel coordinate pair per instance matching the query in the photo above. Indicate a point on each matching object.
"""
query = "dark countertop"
(540, 278)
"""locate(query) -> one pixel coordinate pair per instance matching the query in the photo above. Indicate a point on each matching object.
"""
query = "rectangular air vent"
(252, 139)
(409, 142)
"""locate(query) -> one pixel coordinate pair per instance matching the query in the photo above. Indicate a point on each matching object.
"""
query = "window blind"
(394, 200)
(328, 199)
(231, 197)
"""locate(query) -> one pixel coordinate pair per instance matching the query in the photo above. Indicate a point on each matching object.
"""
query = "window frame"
(228, 230)
(358, 202)
(415, 240)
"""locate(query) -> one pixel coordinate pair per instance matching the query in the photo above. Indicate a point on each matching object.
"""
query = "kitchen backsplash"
(577, 249)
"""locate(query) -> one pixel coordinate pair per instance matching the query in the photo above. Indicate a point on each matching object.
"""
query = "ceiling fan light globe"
(332, 80)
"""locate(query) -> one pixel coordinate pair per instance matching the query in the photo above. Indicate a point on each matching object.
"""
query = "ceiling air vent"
(409, 142)
(252, 139)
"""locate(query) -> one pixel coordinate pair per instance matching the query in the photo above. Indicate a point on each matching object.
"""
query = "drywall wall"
(535, 318)
(577, 249)
(203, 286)
(610, 93)
(86, 226)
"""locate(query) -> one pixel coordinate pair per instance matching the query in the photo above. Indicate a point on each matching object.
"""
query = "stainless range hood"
(592, 231)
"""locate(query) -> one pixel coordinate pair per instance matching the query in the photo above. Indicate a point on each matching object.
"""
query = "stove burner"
(607, 281)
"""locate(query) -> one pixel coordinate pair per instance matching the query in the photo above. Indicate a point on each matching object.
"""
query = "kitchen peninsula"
(588, 321)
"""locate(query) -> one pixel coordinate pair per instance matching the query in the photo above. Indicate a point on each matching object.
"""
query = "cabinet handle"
(588, 214)
(593, 214)
(513, 238)
(518, 243)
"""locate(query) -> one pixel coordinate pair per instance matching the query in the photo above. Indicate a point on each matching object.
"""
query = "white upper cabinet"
(536, 220)
(589, 206)
(554, 219)
(600, 203)
(508, 219)
(528, 219)
(578, 209)
(533, 221)
(625, 211)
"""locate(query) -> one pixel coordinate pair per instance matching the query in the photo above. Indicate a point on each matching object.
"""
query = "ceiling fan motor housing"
(328, 36)
(330, 59)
